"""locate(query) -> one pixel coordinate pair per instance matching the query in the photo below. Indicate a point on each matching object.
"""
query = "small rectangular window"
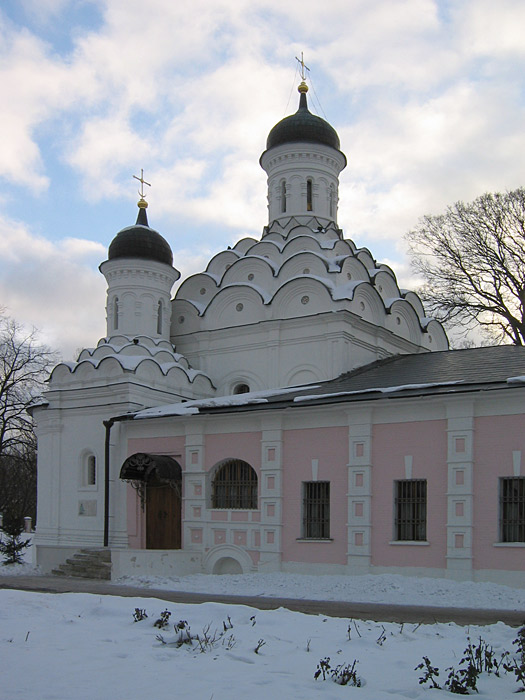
(512, 509)
(316, 510)
(410, 522)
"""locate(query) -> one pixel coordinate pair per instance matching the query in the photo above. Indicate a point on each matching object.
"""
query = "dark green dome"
(303, 126)
(140, 241)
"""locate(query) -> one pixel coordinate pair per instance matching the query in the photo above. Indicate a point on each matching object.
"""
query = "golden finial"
(303, 87)
(142, 204)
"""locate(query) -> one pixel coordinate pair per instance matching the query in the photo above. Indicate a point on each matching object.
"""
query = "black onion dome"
(140, 241)
(303, 126)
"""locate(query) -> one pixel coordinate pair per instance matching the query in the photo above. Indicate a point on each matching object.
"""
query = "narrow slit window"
(411, 510)
(283, 196)
(316, 510)
(90, 475)
(332, 202)
(309, 196)
(512, 509)
(115, 313)
(159, 318)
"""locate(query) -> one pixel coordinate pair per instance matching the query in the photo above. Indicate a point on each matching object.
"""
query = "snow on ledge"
(382, 390)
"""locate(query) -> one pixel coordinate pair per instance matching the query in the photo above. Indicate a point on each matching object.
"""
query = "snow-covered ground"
(87, 647)
(382, 588)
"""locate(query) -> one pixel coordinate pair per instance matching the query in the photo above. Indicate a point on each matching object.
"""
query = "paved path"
(379, 612)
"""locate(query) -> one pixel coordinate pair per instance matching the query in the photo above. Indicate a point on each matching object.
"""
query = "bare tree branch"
(24, 367)
(472, 259)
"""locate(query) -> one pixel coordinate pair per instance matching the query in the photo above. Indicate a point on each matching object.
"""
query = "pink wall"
(426, 443)
(245, 446)
(330, 447)
(173, 446)
(496, 437)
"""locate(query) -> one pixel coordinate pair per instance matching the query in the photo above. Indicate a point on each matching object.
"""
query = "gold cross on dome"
(303, 65)
(142, 183)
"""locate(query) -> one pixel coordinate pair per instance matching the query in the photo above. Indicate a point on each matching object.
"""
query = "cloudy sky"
(428, 98)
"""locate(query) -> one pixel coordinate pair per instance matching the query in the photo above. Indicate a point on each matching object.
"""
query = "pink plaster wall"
(495, 438)
(245, 446)
(135, 519)
(426, 442)
(330, 447)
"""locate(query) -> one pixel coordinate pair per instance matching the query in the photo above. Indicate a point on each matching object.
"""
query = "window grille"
(234, 486)
(411, 510)
(316, 510)
(512, 509)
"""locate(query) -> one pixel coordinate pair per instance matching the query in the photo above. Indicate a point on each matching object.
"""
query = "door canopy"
(143, 467)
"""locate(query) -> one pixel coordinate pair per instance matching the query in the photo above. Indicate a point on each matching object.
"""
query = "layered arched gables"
(302, 304)
(308, 272)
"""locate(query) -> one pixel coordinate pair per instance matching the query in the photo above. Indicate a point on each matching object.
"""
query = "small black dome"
(303, 126)
(140, 241)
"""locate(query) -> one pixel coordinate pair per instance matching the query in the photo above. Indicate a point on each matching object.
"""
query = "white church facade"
(290, 409)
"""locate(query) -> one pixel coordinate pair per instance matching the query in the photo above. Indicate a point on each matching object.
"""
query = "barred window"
(410, 522)
(512, 509)
(234, 486)
(316, 510)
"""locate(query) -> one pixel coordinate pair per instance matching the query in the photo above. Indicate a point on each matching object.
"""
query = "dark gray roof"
(303, 126)
(428, 373)
(402, 376)
(140, 241)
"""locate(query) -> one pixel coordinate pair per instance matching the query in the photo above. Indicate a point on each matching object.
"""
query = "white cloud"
(53, 287)
(428, 101)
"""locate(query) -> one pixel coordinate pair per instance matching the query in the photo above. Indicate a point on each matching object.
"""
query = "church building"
(290, 409)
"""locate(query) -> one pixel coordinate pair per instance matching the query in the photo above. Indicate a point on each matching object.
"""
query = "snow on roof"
(191, 407)
(382, 390)
(516, 380)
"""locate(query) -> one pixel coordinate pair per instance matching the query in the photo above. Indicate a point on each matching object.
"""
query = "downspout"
(108, 424)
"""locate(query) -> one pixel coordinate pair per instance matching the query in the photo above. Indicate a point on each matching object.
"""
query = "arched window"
(115, 313)
(309, 200)
(241, 389)
(332, 201)
(234, 486)
(159, 318)
(283, 196)
(89, 470)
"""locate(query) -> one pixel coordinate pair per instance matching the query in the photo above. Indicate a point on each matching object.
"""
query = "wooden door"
(163, 516)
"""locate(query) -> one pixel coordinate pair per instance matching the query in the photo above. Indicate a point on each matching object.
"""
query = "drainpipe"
(107, 425)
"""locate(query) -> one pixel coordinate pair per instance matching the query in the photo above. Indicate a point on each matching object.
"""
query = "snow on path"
(380, 588)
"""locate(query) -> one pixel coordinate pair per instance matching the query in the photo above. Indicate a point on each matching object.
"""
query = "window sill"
(314, 539)
(248, 510)
(411, 543)
(509, 544)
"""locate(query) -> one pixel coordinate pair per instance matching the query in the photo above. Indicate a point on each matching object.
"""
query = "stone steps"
(87, 563)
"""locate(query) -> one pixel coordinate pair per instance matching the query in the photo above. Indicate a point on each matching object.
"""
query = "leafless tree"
(24, 366)
(472, 259)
